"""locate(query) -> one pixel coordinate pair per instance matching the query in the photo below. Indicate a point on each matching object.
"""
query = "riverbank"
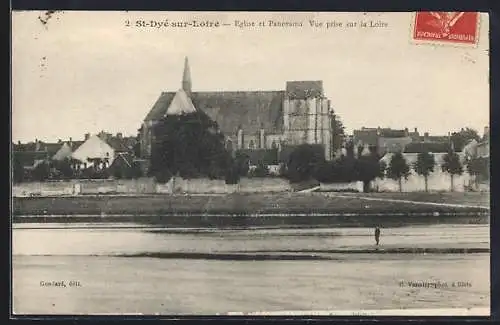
(243, 210)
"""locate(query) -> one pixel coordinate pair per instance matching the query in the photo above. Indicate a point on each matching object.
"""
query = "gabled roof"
(232, 109)
(63, 152)
(94, 147)
(160, 107)
(180, 104)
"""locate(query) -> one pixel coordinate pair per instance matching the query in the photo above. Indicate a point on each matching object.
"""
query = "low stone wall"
(264, 184)
(338, 187)
(437, 181)
(44, 188)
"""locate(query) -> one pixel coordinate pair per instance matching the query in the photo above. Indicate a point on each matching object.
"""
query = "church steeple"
(186, 77)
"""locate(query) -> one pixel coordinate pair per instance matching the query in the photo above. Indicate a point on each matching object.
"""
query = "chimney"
(416, 131)
(59, 141)
(87, 136)
(119, 135)
(37, 145)
(19, 143)
(486, 133)
(426, 136)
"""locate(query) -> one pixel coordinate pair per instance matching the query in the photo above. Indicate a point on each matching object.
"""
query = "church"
(251, 120)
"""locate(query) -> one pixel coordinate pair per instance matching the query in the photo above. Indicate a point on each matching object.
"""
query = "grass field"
(252, 204)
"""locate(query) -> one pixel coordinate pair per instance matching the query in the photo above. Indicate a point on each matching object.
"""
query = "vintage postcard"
(250, 163)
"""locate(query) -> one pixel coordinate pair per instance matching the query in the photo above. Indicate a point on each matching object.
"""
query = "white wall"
(437, 181)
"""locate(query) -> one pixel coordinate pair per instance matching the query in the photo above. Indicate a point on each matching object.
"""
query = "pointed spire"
(186, 77)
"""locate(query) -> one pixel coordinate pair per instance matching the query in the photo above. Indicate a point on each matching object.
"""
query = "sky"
(83, 72)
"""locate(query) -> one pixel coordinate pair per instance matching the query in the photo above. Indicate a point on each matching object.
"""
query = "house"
(437, 149)
(94, 149)
(66, 150)
(31, 154)
(103, 147)
(385, 140)
(301, 113)
(483, 147)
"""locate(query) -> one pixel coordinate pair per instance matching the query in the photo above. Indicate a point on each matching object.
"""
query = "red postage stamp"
(449, 27)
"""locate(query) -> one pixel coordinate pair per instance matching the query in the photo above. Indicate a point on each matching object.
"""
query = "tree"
(17, 169)
(189, 145)
(359, 151)
(461, 138)
(241, 163)
(338, 132)
(64, 167)
(303, 161)
(479, 168)
(398, 169)
(41, 172)
(368, 168)
(452, 166)
(424, 166)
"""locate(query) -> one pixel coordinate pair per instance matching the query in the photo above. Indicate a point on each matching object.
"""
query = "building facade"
(299, 114)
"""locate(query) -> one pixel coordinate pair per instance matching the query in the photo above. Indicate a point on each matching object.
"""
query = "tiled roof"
(393, 144)
(28, 158)
(160, 107)
(231, 109)
(51, 148)
(367, 136)
(434, 147)
(119, 145)
(304, 89)
(389, 133)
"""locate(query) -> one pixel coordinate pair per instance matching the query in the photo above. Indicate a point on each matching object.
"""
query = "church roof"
(180, 104)
(232, 109)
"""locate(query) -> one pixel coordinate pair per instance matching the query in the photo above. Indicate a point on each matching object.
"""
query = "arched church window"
(251, 145)
(229, 145)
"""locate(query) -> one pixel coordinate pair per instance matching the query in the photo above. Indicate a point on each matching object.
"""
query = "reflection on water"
(111, 284)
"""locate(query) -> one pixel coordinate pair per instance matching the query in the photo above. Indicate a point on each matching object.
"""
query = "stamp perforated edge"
(445, 43)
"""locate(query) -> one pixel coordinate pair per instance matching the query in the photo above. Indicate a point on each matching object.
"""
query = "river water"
(130, 268)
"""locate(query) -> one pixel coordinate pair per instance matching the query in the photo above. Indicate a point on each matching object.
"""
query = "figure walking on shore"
(377, 235)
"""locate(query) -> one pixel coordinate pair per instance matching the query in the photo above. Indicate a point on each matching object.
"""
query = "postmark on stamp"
(459, 28)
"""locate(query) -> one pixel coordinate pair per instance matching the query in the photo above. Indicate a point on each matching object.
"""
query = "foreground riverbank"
(222, 271)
